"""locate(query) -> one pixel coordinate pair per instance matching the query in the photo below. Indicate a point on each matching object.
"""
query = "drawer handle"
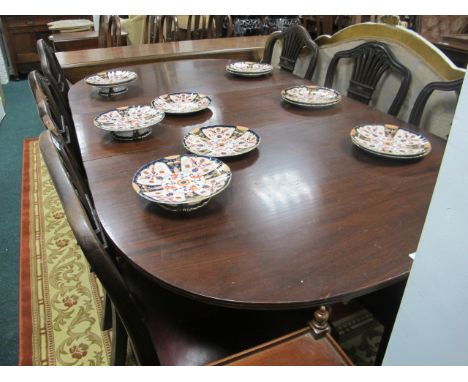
(29, 22)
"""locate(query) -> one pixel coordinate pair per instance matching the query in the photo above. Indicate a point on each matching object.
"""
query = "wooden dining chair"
(295, 39)
(50, 102)
(313, 24)
(37, 92)
(72, 162)
(110, 31)
(197, 27)
(169, 29)
(51, 68)
(219, 26)
(370, 61)
(225, 27)
(114, 32)
(152, 29)
(426, 92)
(163, 328)
(102, 33)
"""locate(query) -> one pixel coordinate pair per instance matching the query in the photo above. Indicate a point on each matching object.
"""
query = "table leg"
(319, 324)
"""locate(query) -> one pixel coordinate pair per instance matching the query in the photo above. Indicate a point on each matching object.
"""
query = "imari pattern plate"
(249, 69)
(129, 122)
(182, 182)
(390, 141)
(112, 78)
(311, 96)
(221, 140)
(181, 103)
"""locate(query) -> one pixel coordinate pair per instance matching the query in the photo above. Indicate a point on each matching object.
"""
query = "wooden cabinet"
(21, 34)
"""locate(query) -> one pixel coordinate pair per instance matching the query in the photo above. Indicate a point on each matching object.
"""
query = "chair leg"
(119, 341)
(106, 319)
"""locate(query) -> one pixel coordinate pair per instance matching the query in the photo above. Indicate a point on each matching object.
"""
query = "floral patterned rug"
(358, 333)
(60, 300)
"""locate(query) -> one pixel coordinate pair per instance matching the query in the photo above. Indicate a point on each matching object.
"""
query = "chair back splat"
(219, 26)
(370, 61)
(295, 39)
(114, 32)
(169, 29)
(60, 122)
(197, 27)
(110, 31)
(152, 29)
(423, 97)
(51, 68)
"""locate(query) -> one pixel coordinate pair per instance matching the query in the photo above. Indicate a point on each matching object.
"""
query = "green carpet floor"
(21, 121)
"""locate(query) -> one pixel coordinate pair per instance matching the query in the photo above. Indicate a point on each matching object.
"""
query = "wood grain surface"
(81, 63)
(307, 219)
(299, 348)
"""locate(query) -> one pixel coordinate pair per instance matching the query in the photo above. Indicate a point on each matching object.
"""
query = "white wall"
(432, 324)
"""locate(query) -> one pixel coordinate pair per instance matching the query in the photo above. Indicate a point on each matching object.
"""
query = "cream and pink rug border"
(60, 301)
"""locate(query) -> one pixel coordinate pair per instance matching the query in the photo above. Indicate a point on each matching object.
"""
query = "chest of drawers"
(21, 34)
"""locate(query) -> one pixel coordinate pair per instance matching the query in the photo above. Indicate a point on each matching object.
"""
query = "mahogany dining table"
(79, 64)
(308, 218)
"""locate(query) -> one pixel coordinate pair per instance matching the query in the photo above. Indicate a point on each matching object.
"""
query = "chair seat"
(187, 332)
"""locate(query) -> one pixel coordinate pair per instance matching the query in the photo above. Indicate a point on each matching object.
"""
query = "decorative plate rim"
(221, 125)
(241, 73)
(389, 155)
(162, 114)
(308, 105)
(181, 112)
(114, 84)
(285, 98)
(136, 186)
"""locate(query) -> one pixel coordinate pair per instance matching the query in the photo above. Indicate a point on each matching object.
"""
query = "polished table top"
(80, 63)
(148, 51)
(307, 218)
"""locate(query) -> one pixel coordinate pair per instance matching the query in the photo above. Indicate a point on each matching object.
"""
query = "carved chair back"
(197, 27)
(219, 26)
(50, 102)
(152, 29)
(114, 32)
(370, 61)
(110, 31)
(103, 27)
(51, 68)
(226, 26)
(295, 39)
(423, 97)
(169, 29)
